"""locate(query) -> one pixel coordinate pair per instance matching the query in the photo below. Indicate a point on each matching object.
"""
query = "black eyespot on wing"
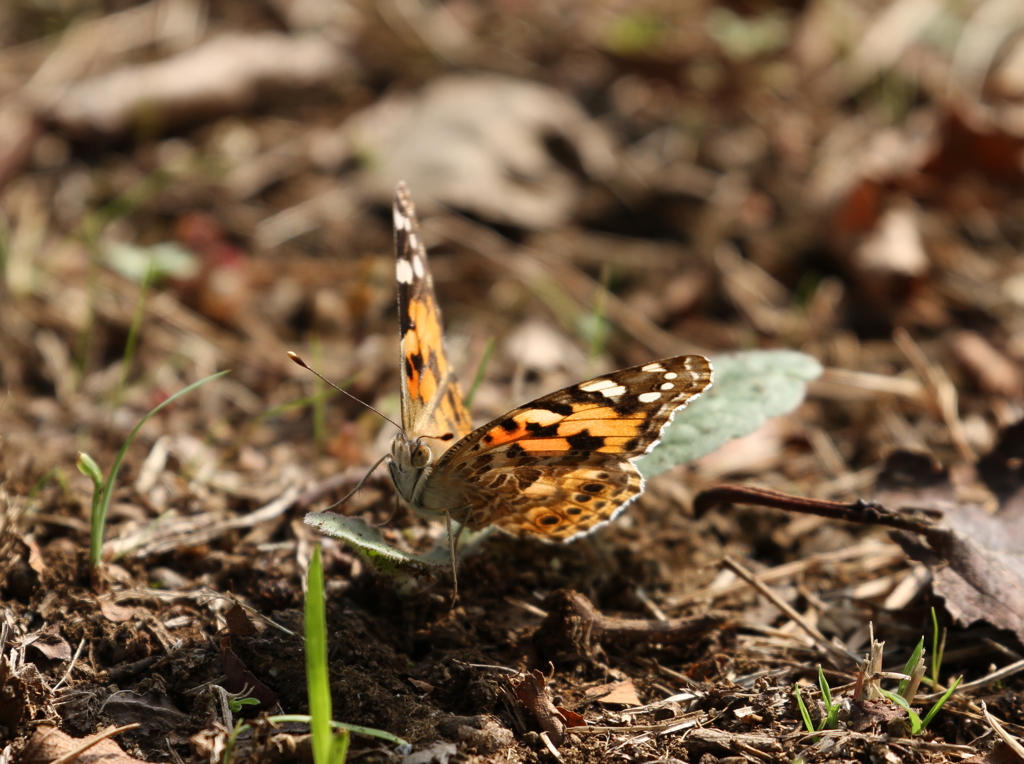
(550, 520)
(632, 445)
(582, 498)
(509, 425)
(593, 488)
(574, 510)
(584, 441)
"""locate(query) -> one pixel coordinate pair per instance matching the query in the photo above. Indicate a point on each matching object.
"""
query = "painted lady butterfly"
(555, 468)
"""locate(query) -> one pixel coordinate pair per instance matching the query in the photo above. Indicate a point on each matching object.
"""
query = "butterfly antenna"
(394, 510)
(360, 484)
(304, 365)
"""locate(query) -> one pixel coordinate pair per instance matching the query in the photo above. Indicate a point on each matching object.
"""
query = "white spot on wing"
(606, 387)
(401, 221)
(652, 367)
(648, 397)
(667, 386)
(417, 266)
(671, 375)
(403, 272)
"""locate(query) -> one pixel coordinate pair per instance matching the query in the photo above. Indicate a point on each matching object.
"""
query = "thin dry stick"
(74, 659)
(99, 737)
(942, 390)
(692, 719)
(1009, 739)
(1005, 671)
(800, 621)
(869, 382)
(531, 268)
(886, 553)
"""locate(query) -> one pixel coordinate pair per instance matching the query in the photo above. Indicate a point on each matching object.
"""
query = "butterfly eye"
(421, 456)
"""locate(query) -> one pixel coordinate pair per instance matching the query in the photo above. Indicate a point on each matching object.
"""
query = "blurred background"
(188, 187)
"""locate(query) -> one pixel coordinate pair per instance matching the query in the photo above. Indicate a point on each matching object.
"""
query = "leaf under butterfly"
(371, 546)
(750, 387)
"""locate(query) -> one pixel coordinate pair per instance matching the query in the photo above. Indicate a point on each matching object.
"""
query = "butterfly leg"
(453, 549)
(453, 542)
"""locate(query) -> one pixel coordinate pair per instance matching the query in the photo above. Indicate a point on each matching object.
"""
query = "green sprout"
(485, 359)
(103, 489)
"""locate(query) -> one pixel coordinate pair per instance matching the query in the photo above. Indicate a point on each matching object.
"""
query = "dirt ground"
(190, 187)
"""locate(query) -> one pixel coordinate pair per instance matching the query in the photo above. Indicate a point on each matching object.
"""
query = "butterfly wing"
(431, 398)
(560, 466)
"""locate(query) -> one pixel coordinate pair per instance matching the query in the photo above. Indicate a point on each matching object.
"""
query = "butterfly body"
(555, 468)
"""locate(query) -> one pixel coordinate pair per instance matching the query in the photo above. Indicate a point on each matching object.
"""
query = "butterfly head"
(411, 460)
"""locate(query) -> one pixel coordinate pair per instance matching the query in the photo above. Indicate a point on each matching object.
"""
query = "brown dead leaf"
(240, 679)
(976, 558)
(239, 624)
(616, 693)
(116, 613)
(873, 714)
(50, 643)
(470, 141)
(1001, 753)
(49, 743)
(221, 75)
(994, 371)
(529, 689)
(154, 714)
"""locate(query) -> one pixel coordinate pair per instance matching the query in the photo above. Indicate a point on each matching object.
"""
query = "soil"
(780, 198)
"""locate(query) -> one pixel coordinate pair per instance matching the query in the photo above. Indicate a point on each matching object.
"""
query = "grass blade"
(355, 729)
(938, 648)
(317, 679)
(485, 359)
(804, 713)
(941, 702)
(911, 668)
(100, 508)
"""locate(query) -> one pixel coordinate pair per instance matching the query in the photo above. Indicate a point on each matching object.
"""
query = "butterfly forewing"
(431, 398)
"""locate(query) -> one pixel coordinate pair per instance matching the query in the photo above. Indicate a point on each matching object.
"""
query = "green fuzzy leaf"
(372, 547)
(749, 388)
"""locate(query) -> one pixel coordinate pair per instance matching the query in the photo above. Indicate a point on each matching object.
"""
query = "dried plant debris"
(976, 557)
(822, 198)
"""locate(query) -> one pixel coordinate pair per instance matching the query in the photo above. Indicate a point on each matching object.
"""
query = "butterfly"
(554, 469)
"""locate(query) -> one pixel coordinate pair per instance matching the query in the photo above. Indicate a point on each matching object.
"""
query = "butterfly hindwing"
(561, 465)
